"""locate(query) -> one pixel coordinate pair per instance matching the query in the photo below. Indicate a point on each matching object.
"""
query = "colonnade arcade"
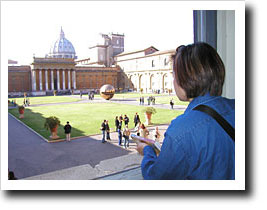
(53, 79)
(149, 82)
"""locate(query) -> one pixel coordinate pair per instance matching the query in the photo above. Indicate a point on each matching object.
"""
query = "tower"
(117, 42)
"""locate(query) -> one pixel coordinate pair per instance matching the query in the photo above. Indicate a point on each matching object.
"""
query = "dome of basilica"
(62, 48)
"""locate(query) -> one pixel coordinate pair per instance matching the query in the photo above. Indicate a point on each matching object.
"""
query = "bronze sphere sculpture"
(107, 91)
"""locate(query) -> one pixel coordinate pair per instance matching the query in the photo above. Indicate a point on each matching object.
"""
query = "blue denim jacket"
(195, 145)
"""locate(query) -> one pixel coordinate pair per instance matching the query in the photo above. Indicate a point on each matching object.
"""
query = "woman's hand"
(140, 147)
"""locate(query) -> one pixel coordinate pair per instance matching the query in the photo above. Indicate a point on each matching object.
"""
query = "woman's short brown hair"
(198, 69)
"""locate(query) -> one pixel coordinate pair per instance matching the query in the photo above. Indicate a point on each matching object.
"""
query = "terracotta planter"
(54, 133)
(21, 113)
(148, 118)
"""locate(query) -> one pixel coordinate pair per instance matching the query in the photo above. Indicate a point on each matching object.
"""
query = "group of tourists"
(142, 131)
(91, 95)
(13, 102)
(151, 100)
(125, 133)
(105, 131)
(142, 100)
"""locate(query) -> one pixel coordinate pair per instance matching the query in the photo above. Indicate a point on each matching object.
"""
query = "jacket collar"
(200, 100)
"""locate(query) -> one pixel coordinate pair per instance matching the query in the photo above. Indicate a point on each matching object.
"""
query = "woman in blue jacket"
(195, 146)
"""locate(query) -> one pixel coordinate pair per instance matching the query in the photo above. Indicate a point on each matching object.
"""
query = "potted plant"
(148, 113)
(21, 111)
(52, 124)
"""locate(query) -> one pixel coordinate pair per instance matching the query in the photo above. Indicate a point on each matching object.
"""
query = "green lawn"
(87, 118)
(46, 99)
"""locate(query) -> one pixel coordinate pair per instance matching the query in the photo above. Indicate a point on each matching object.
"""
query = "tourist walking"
(28, 101)
(107, 130)
(126, 120)
(117, 122)
(136, 119)
(171, 103)
(156, 134)
(143, 131)
(67, 129)
(137, 128)
(119, 132)
(126, 135)
(153, 100)
(103, 129)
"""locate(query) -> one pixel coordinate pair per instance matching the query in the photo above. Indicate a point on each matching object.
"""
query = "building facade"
(19, 79)
(50, 74)
(106, 48)
(147, 70)
(90, 78)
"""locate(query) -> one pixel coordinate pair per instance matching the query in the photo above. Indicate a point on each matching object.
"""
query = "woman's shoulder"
(185, 123)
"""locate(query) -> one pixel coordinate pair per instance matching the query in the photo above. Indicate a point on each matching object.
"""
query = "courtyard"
(85, 157)
(86, 116)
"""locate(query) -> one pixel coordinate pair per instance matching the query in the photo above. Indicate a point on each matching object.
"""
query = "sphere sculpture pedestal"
(107, 92)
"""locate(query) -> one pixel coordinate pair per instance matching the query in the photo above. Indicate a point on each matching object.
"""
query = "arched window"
(165, 62)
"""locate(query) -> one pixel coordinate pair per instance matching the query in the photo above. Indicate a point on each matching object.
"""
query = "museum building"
(144, 70)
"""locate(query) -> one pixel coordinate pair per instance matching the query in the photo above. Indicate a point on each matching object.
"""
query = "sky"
(31, 28)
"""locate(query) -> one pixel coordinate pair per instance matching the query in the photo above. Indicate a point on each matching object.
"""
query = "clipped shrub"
(150, 110)
(51, 122)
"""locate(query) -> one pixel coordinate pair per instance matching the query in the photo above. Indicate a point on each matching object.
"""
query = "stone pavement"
(130, 101)
(30, 157)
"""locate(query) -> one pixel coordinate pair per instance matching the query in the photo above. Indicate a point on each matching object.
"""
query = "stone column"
(148, 83)
(74, 79)
(52, 80)
(171, 81)
(46, 80)
(160, 81)
(63, 79)
(33, 80)
(40, 79)
(69, 80)
(58, 80)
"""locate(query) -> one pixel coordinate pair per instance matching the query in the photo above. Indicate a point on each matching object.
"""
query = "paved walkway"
(130, 101)
(30, 157)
